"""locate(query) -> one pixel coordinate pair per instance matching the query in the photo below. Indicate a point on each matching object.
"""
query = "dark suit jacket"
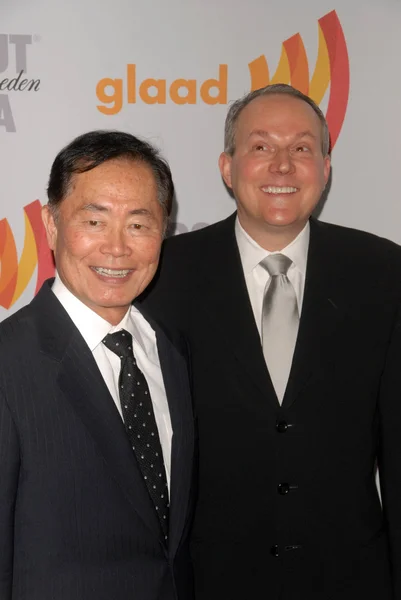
(288, 507)
(76, 520)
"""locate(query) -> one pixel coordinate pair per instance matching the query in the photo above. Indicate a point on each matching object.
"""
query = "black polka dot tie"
(140, 423)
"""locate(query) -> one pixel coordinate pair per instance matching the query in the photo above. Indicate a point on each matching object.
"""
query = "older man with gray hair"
(295, 343)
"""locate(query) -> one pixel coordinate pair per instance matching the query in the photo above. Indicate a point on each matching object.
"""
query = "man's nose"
(282, 162)
(115, 242)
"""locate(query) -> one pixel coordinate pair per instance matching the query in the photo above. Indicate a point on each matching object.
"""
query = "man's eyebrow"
(260, 132)
(306, 133)
(141, 211)
(265, 134)
(93, 207)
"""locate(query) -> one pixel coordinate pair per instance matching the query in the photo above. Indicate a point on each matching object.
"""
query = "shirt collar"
(136, 324)
(92, 327)
(251, 253)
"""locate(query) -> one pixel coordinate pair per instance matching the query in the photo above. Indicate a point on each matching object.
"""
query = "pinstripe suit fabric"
(76, 521)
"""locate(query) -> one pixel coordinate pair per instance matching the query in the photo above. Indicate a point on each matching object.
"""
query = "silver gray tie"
(280, 321)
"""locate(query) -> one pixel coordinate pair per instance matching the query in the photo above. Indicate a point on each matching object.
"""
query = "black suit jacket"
(288, 506)
(76, 520)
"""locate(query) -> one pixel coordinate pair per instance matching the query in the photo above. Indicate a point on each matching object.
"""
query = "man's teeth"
(272, 189)
(112, 272)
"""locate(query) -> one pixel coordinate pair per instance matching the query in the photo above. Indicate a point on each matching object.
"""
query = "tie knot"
(276, 264)
(120, 343)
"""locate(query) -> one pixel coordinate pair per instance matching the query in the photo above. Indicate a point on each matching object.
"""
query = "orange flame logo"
(332, 67)
(14, 275)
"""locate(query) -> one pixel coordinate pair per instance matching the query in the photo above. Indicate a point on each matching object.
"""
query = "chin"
(119, 302)
(280, 221)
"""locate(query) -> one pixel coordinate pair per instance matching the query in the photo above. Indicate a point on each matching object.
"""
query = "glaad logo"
(332, 68)
(14, 57)
(154, 91)
(14, 275)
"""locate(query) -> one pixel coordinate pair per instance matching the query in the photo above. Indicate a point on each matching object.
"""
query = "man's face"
(277, 172)
(107, 235)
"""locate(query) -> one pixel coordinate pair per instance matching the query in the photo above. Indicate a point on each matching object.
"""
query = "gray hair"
(278, 88)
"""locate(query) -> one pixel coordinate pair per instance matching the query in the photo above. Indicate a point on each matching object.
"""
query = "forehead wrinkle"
(141, 211)
(306, 133)
(93, 207)
(266, 134)
(260, 132)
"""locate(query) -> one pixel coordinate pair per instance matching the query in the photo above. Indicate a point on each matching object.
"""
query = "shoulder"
(41, 318)
(17, 325)
(194, 240)
(17, 334)
(355, 243)
(183, 259)
(182, 253)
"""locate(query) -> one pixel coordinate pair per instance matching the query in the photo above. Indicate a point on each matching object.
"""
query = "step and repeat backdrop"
(167, 71)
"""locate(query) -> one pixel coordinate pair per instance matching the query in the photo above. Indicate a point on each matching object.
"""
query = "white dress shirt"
(256, 277)
(93, 329)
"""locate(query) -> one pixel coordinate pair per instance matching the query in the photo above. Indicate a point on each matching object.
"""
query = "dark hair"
(274, 89)
(96, 147)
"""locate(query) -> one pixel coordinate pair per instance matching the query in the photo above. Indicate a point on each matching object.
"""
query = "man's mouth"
(274, 189)
(112, 272)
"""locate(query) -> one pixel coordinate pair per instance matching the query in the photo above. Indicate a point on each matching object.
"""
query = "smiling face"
(277, 171)
(107, 235)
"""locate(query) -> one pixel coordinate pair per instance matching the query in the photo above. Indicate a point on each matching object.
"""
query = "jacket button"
(281, 426)
(283, 488)
(274, 551)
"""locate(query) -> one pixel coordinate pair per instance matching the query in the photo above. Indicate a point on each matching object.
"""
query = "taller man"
(96, 430)
(295, 336)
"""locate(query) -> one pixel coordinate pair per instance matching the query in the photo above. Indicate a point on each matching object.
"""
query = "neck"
(114, 315)
(272, 238)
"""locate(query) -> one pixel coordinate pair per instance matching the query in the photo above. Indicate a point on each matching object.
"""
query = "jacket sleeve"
(389, 457)
(9, 472)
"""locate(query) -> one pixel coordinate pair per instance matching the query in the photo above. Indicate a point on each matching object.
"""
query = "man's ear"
(225, 168)
(327, 167)
(50, 226)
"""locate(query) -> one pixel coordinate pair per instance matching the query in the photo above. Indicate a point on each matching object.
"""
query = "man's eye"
(93, 223)
(302, 149)
(137, 226)
(260, 147)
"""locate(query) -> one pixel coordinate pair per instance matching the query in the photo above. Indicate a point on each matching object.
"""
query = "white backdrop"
(66, 48)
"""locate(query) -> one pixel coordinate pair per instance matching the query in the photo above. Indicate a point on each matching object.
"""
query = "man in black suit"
(295, 342)
(96, 429)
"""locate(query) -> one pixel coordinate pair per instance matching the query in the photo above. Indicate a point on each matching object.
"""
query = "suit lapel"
(83, 386)
(182, 450)
(231, 311)
(233, 316)
(321, 311)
